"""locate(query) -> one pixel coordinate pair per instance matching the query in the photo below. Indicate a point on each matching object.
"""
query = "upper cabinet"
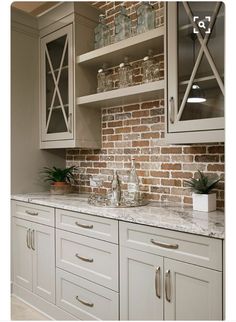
(63, 123)
(195, 69)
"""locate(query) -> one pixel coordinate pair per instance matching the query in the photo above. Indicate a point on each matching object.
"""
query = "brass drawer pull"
(32, 213)
(158, 282)
(84, 302)
(84, 226)
(167, 285)
(90, 260)
(164, 245)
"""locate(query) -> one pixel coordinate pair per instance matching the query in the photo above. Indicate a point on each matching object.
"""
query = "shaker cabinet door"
(22, 253)
(141, 287)
(43, 245)
(57, 85)
(191, 292)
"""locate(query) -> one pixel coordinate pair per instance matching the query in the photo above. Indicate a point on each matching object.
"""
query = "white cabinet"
(34, 258)
(64, 124)
(195, 68)
(141, 285)
(155, 287)
(34, 249)
(195, 293)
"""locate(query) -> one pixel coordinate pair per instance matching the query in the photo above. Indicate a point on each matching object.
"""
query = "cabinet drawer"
(93, 259)
(84, 299)
(89, 225)
(199, 250)
(36, 213)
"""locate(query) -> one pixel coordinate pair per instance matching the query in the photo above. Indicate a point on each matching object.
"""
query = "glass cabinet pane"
(57, 85)
(203, 97)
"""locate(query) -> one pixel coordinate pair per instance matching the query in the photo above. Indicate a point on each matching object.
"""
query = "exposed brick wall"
(138, 130)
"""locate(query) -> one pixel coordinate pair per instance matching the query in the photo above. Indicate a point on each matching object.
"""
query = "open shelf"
(122, 96)
(134, 47)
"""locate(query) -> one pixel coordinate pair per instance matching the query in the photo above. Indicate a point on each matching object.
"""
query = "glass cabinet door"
(57, 85)
(195, 66)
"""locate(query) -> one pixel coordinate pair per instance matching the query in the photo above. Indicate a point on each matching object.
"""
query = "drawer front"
(90, 258)
(199, 250)
(36, 213)
(84, 299)
(88, 225)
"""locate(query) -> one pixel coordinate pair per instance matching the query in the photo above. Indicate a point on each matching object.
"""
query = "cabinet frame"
(187, 131)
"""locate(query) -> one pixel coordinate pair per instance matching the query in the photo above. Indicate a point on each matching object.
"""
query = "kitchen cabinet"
(195, 69)
(64, 124)
(154, 286)
(34, 258)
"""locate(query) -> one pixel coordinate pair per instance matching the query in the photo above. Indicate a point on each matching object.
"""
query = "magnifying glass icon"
(201, 24)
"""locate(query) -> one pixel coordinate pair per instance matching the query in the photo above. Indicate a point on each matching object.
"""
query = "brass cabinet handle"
(90, 260)
(32, 213)
(32, 241)
(171, 110)
(27, 238)
(164, 245)
(84, 302)
(158, 282)
(167, 285)
(84, 226)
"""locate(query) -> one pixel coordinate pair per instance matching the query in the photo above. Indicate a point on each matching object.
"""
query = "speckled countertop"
(163, 215)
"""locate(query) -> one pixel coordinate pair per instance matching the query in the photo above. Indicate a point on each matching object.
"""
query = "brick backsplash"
(138, 131)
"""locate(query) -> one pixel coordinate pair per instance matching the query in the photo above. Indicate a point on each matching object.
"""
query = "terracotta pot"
(60, 188)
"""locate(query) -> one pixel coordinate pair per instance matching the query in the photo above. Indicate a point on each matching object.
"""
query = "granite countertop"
(171, 216)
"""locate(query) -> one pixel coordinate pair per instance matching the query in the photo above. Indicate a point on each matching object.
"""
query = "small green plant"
(202, 185)
(55, 174)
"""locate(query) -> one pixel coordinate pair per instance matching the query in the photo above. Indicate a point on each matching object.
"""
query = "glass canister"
(145, 17)
(125, 74)
(104, 80)
(148, 67)
(122, 25)
(101, 33)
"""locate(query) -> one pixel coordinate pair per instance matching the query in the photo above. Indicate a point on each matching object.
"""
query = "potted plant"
(60, 179)
(203, 198)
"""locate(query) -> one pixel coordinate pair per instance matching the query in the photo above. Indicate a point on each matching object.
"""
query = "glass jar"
(122, 25)
(145, 17)
(101, 33)
(148, 69)
(104, 80)
(125, 74)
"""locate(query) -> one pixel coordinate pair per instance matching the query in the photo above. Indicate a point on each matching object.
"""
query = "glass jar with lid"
(101, 33)
(148, 67)
(145, 17)
(104, 79)
(122, 25)
(125, 74)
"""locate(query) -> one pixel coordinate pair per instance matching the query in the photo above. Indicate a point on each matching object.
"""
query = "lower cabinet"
(34, 258)
(155, 287)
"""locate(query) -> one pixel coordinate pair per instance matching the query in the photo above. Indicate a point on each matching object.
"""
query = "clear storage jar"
(145, 17)
(122, 25)
(125, 74)
(101, 33)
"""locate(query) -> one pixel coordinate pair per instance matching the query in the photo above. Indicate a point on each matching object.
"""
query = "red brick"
(171, 182)
(160, 174)
(132, 122)
(92, 170)
(107, 131)
(148, 105)
(188, 200)
(183, 175)
(216, 167)
(99, 164)
(140, 143)
(150, 135)
(92, 157)
(115, 124)
(171, 150)
(194, 150)
(141, 128)
(218, 149)
(130, 108)
(108, 145)
(115, 137)
(140, 113)
(171, 166)
(207, 158)
(123, 130)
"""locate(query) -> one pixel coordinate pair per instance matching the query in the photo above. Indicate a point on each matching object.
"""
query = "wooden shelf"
(134, 47)
(122, 96)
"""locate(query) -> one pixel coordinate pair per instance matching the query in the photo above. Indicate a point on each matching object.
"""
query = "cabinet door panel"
(22, 253)
(138, 283)
(195, 292)
(44, 262)
(57, 85)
